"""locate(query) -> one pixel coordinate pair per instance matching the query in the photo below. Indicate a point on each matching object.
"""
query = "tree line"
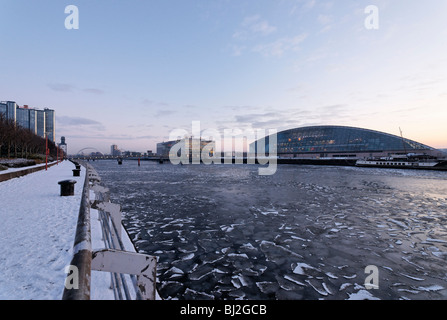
(19, 142)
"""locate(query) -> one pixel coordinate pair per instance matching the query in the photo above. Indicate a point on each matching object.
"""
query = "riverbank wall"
(19, 172)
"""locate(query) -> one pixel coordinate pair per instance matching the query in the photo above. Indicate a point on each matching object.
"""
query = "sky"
(134, 71)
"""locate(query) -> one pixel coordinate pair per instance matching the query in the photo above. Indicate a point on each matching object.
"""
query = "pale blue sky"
(135, 70)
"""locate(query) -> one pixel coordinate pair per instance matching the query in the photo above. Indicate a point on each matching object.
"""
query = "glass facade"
(33, 120)
(38, 121)
(338, 139)
(11, 109)
(40, 115)
(50, 123)
(23, 118)
(8, 109)
(3, 109)
(195, 147)
(26, 118)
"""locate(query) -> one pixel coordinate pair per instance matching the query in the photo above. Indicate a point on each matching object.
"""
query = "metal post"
(46, 152)
(82, 249)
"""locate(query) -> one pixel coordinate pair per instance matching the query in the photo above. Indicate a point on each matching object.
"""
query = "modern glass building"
(9, 109)
(23, 117)
(50, 124)
(3, 108)
(40, 114)
(26, 118)
(40, 122)
(63, 145)
(195, 147)
(339, 142)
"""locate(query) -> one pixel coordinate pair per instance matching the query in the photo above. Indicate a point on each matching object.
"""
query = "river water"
(306, 232)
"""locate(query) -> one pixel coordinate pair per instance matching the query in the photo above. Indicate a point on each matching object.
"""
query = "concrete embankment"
(19, 172)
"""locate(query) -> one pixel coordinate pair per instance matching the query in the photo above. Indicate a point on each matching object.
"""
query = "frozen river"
(306, 232)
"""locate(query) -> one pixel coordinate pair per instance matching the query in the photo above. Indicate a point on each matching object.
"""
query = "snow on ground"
(37, 228)
(37, 231)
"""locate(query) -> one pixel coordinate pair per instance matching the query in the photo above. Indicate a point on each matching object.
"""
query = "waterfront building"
(40, 122)
(9, 109)
(164, 147)
(22, 117)
(50, 124)
(3, 107)
(40, 126)
(195, 147)
(63, 146)
(341, 142)
(114, 151)
(33, 120)
(27, 118)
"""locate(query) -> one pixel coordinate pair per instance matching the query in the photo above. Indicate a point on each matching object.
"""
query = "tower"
(63, 145)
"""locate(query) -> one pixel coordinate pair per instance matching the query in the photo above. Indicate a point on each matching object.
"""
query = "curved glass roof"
(322, 139)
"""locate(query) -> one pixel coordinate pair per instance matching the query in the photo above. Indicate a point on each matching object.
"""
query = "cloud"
(66, 122)
(150, 103)
(253, 26)
(61, 87)
(164, 113)
(252, 36)
(94, 91)
(280, 46)
(262, 27)
(271, 118)
(324, 19)
(65, 87)
(237, 50)
(108, 137)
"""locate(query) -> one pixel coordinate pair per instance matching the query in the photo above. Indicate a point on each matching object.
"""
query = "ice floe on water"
(223, 232)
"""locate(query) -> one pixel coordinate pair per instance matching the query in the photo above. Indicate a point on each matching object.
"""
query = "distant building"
(114, 151)
(96, 154)
(318, 142)
(195, 147)
(40, 122)
(164, 147)
(132, 154)
(9, 109)
(27, 118)
(3, 108)
(50, 124)
(63, 145)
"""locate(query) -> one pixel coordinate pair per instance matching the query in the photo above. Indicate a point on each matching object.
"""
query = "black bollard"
(76, 172)
(67, 187)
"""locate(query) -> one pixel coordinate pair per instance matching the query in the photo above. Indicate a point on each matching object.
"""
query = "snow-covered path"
(37, 228)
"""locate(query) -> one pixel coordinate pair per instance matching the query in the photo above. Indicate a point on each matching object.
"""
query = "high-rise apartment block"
(40, 122)
(114, 151)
